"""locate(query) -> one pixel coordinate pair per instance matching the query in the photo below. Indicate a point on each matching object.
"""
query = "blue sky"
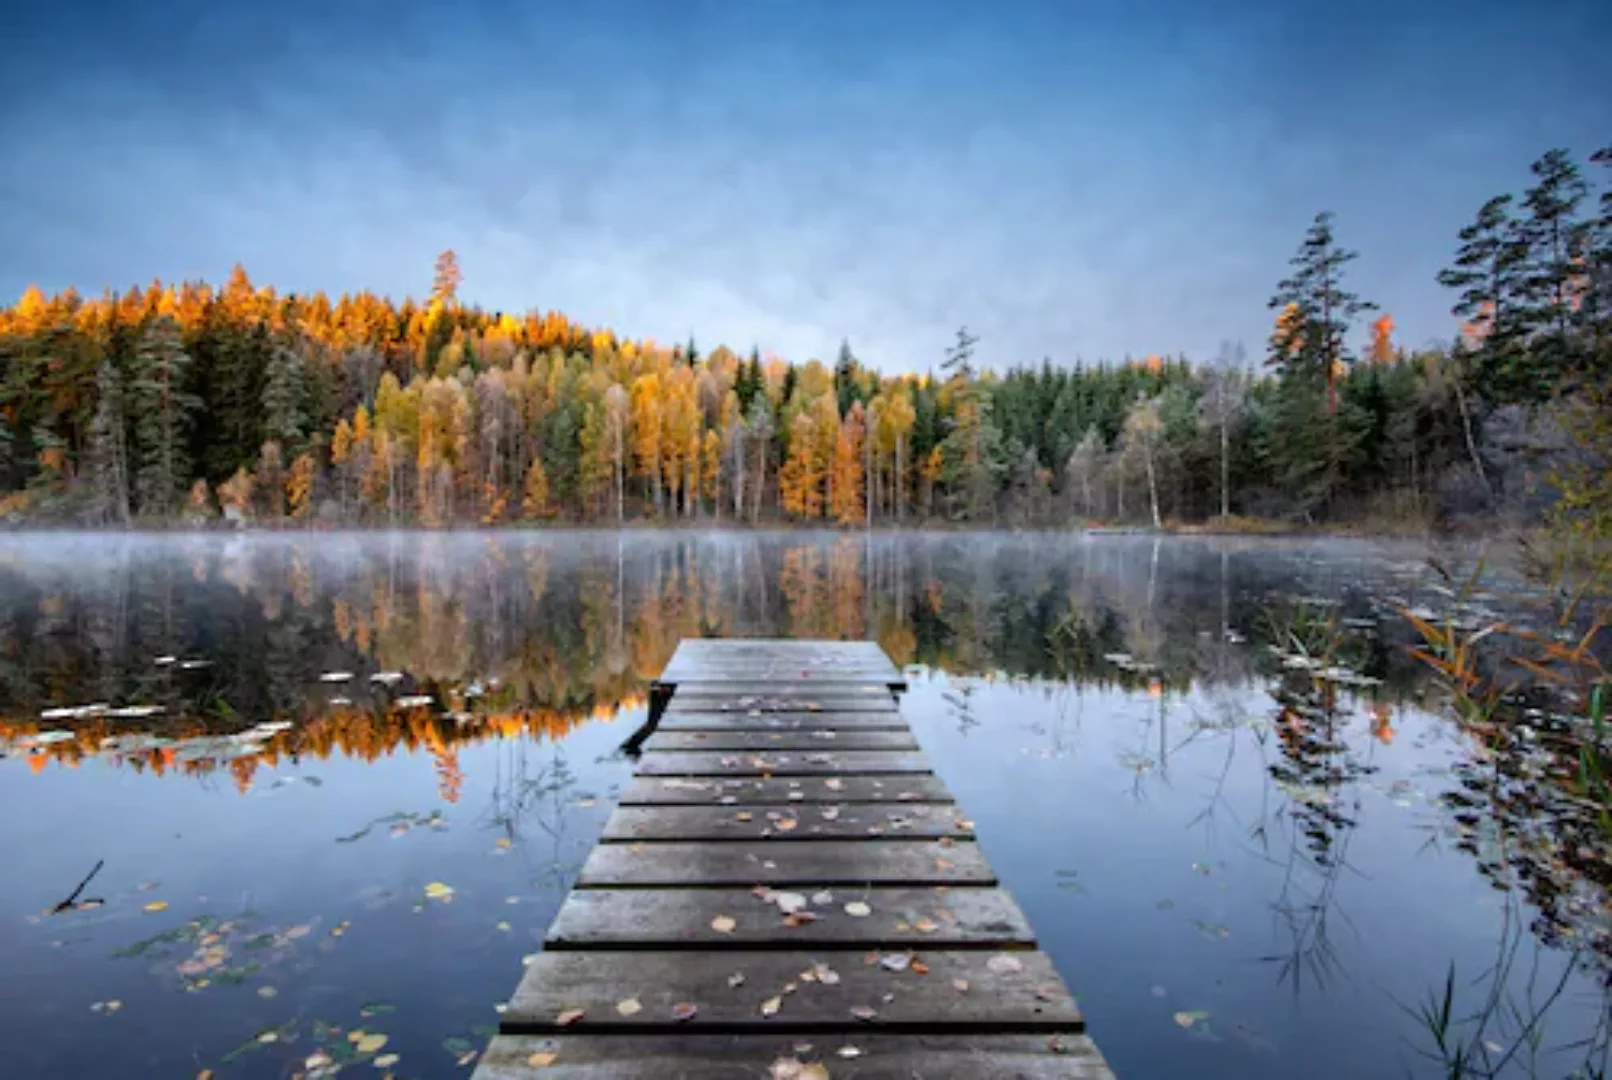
(1069, 178)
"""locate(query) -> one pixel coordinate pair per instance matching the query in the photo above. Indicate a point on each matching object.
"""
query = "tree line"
(187, 402)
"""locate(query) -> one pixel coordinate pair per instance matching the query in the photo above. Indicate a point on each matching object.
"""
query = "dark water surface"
(1242, 868)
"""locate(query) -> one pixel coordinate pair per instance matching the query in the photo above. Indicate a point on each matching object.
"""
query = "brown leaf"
(568, 1017)
(542, 1058)
(920, 967)
(926, 925)
(788, 824)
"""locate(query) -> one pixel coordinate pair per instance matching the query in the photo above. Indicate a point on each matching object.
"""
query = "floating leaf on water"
(1201, 868)
(629, 1007)
(1189, 1018)
(267, 992)
(723, 924)
(375, 1008)
(503, 926)
(386, 1061)
(369, 1043)
(157, 905)
(436, 890)
(684, 1011)
(455, 1044)
(567, 1017)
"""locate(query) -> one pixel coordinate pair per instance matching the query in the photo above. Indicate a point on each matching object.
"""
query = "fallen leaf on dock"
(1003, 964)
(542, 1058)
(629, 1007)
(684, 1011)
(567, 1017)
(771, 1006)
(857, 909)
(723, 924)
(863, 1012)
(960, 985)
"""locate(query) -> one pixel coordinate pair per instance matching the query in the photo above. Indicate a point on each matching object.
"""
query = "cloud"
(1121, 178)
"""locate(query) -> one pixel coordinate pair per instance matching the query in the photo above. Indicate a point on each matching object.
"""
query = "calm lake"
(283, 752)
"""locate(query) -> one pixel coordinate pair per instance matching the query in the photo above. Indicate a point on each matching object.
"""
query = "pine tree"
(161, 408)
(1489, 270)
(1556, 239)
(1310, 354)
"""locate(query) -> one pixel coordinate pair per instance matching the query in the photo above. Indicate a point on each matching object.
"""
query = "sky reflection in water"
(1241, 870)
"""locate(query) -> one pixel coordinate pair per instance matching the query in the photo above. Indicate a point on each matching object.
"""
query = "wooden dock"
(786, 890)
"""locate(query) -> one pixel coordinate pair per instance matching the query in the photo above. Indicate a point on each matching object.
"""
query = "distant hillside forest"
(181, 404)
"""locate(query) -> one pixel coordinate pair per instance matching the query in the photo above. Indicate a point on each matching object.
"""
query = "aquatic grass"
(1488, 673)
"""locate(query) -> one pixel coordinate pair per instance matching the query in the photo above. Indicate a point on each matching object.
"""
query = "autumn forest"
(185, 403)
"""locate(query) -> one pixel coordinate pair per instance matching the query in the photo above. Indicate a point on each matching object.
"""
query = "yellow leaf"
(629, 1007)
(157, 905)
(371, 1043)
(542, 1058)
(723, 924)
(771, 1006)
(385, 1061)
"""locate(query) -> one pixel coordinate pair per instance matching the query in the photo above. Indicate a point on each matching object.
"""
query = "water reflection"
(1259, 685)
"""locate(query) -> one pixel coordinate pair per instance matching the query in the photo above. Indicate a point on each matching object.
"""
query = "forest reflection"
(208, 656)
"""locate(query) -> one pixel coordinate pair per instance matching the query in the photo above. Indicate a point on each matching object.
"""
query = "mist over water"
(340, 783)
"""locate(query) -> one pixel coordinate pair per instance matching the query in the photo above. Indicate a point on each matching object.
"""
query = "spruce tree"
(108, 458)
(161, 408)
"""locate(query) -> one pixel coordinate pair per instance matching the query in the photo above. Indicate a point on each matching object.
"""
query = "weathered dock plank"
(811, 739)
(698, 919)
(753, 705)
(866, 720)
(772, 763)
(856, 1053)
(784, 823)
(816, 990)
(816, 863)
(777, 659)
(730, 791)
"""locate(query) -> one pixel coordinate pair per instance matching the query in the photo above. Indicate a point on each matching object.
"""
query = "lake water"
(1242, 869)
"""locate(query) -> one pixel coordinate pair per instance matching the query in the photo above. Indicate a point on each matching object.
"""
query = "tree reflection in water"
(453, 640)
